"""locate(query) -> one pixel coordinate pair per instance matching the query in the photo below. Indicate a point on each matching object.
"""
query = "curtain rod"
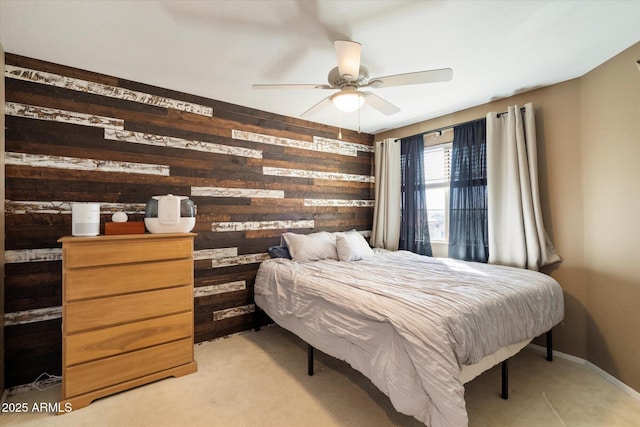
(439, 130)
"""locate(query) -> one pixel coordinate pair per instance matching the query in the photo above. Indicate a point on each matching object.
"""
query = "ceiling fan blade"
(419, 77)
(291, 86)
(317, 107)
(348, 54)
(380, 104)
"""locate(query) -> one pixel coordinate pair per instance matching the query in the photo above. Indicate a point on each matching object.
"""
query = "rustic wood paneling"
(74, 135)
(31, 349)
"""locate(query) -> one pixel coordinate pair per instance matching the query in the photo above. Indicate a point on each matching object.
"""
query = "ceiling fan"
(350, 76)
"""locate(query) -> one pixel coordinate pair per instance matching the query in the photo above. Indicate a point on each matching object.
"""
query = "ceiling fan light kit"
(348, 100)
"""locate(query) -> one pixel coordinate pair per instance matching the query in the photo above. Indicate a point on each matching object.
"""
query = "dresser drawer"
(101, 343)
(92, 253)
(102, 373)
(96, 282)
(102, 312)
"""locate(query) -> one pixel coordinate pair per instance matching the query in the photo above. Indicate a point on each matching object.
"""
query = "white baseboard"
(607, 376)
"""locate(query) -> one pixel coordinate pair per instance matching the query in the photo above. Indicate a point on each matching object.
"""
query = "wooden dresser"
(127, 313)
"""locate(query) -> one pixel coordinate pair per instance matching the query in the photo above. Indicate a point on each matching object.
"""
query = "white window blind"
(437, 168)
(437, 165)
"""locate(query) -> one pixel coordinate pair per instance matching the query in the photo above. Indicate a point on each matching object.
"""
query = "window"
(437, 165)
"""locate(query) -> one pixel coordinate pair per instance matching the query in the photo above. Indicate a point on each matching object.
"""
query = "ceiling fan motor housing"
(338, 81)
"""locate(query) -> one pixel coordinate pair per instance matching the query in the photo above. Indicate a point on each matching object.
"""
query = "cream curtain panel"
(517, 236)
(386, 213)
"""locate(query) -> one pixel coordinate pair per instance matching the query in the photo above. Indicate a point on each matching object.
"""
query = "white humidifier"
(170, 214)
(85, 219)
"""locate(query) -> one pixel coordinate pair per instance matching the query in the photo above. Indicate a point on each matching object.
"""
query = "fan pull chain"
(339, 124)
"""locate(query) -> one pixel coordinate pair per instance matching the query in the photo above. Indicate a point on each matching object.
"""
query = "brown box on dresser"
(130, 227)
(127, 313)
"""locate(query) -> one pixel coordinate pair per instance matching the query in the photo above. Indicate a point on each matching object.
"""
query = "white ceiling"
(219, 48)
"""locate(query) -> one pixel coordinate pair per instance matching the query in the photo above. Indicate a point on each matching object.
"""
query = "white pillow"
(364, 245)
(352, 246)
(311, 247)
(348, 247)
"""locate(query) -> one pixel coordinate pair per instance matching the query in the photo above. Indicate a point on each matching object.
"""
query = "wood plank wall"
(74, 135)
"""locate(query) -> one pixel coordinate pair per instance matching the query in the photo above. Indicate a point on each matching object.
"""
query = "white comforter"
(409, 322)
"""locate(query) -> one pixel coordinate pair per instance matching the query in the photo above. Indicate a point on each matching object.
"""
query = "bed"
(418, 327)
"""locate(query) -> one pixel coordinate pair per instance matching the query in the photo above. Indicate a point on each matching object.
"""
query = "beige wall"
(586, 205)
(610, 125)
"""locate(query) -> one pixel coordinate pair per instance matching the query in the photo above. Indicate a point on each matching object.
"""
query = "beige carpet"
(259, 379)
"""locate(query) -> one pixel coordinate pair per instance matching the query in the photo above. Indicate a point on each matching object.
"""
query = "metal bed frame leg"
(309, 360)
(505, 366)
(505, 379)
(256, 319)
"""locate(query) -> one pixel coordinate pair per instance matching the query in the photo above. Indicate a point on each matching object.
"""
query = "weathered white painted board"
(346, 144)
(30, 316)
(339, 203)
(16, 256)
(15, 207)
(225, 257)
(63, 116)
(203, 291)
(233, 312)
(302, 173)
(74, 163)
(79, 85)
(128, 208)
(254, 193)
(260, 225)
(323, 145)
(239, 260)
(179, 143)
(215, 253)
